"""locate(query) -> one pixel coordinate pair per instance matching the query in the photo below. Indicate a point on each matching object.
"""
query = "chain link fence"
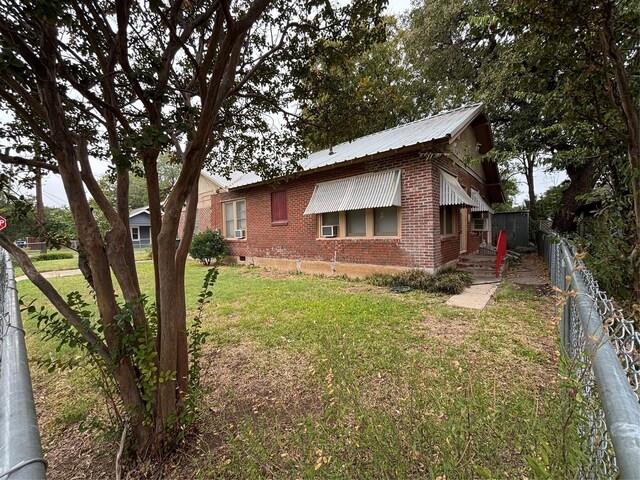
(604, 350)
(20, 448)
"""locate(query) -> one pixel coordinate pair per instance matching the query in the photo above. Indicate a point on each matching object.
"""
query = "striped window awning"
(481, 205)
(373, 190)
(451, 192)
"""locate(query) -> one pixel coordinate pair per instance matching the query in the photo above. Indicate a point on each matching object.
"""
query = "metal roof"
(372, 190)
(138, 211)
(451, 192)
(444, 125)
(481, 205)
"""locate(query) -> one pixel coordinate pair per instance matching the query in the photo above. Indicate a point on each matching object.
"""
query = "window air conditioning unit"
(329, 230)
(240, 233)
(481, 224)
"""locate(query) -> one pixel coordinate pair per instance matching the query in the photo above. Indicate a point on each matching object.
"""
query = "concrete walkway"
(475, 297)
(530, 272)
(53, 274)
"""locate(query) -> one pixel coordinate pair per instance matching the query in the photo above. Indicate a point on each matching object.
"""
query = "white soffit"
(373, 190)
(481, 205)
(451, 192)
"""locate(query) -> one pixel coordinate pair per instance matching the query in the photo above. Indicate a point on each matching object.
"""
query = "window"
(235, 217)
(447, 220)
(385, 222)
(364, 223)
(279, 208)
(356, 223)
(331, 219)
(135, 233)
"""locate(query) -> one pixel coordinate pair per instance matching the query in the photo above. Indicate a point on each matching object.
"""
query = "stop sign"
(3, 223)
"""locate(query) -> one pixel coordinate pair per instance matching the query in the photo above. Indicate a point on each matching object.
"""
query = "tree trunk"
(582, 182)
(529, 162)
(70, 151)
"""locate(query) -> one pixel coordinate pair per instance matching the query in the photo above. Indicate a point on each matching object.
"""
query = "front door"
(464, 225)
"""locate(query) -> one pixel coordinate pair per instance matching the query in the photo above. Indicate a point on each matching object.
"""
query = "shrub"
(381, 280)
(416, 279)
(448, 281)
(451, 281)
(52, 256)
(207, 246)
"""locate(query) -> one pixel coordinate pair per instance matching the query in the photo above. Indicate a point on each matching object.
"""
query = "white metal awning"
(481, 205)
(451, 192)
(373, 190)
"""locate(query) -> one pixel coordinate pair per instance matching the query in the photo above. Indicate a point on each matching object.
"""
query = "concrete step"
(481, 267)
(477, 266)
(478, 259)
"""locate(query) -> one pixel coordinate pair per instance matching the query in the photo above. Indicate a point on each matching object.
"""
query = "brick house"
(414, 196)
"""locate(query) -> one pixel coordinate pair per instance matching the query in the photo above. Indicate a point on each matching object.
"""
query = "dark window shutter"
(279, 208)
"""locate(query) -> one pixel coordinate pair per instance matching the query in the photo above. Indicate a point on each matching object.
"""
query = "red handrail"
(501, 250)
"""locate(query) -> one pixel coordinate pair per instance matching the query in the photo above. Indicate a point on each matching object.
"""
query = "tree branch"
(23, 113)
(21, 161)
(263, 58)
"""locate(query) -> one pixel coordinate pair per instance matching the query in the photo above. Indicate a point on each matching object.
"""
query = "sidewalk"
(53, 274)
(530, 273)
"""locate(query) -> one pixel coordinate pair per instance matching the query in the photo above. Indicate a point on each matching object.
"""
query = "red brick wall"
(419, 244)
(450, 245)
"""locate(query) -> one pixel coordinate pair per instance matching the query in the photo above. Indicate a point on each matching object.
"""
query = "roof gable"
(137, 211)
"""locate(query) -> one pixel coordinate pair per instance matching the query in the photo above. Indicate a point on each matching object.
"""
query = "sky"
(54, 196)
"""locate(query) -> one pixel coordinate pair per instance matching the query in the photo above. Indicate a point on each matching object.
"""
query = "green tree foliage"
(168, 172)
(207, 246)
(355, 96)
(550, 203)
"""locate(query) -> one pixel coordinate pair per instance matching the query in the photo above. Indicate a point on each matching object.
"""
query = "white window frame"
(136, 237)
(485, 224)
(231, 235)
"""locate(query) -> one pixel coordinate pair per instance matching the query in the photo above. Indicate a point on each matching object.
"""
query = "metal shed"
(516, 224)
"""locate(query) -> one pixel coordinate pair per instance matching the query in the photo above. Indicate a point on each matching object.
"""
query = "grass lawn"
(329, 378)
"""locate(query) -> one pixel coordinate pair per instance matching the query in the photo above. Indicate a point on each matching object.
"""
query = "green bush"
(448, 281)
(207, 246)
(381, 280)
(52, 256)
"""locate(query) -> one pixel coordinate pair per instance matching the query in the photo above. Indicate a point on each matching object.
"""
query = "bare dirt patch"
(75, 455)
(531, 270)
(243, 381)
(455, 332)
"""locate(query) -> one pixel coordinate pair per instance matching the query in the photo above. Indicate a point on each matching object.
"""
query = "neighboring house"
(140, 225)
(413, 196)
(207, 186)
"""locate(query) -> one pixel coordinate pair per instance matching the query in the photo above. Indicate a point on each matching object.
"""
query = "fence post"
(20, 448)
